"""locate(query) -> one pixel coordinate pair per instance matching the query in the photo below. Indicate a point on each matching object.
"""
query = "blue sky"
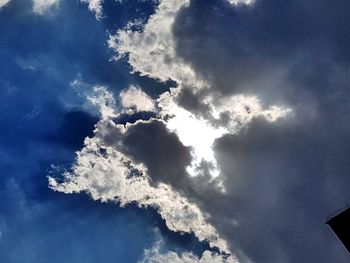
(43, 123)
(227, 122)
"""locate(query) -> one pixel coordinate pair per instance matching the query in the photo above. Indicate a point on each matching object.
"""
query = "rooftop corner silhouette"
(340, 224)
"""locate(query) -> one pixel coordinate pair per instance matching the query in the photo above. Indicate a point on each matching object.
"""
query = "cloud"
(283, 196)
(95, 6)
(153, 256)
(135, 100)
(151, 51)
(259, 102)
(267, 166)
(4, 3)
(144, 163)
(103, 100)
(43, 6)
(241, 58)
(156, 255)
(237, 2)
(107, 174)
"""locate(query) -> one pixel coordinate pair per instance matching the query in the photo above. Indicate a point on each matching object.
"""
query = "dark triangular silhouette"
(341, 226)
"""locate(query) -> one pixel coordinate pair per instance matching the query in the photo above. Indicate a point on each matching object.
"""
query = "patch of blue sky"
(40, 56)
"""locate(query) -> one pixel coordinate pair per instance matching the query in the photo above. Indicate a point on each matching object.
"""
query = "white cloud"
(108, 175)
(151, 51)
(200, 134)
(101, 98)
(135, 100)
(43, 6)
(243, 109)
(95, 6)
(192, 131)
(3, 3)
(155, 255)
(207, 257)
(246, 2)
(104, 172)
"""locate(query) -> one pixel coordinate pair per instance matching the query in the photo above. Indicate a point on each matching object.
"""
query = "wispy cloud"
(44, 6)
(95, 6)
(4, 3)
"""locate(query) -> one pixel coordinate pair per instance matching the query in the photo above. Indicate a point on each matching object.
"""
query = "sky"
(183, 131)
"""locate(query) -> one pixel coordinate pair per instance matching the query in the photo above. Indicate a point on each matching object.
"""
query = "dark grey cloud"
(283, 179)
(193, 101)
(260, 48)
(283, 183)
(166, 159)
(161, 151)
